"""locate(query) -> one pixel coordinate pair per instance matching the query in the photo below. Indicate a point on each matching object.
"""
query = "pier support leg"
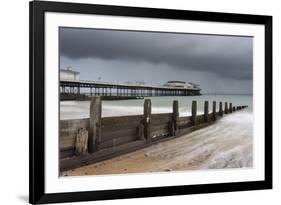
(206, 111)
(193, 112)
(147, 119)
(95, 124)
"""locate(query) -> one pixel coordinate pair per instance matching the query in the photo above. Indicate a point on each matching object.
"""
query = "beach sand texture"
(226, 144)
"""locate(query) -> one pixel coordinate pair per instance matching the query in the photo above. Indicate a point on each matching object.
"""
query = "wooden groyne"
(93, 139)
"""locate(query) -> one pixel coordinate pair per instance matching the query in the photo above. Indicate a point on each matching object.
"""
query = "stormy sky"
(220, 64)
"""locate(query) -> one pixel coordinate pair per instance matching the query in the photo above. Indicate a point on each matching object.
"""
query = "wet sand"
(225, 144)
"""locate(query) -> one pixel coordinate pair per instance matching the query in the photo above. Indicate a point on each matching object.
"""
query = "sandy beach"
(225, 144)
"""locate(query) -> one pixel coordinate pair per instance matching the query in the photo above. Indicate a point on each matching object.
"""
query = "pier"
(94, 139)
(72, 90)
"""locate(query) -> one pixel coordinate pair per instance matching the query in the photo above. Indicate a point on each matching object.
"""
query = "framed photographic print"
(141, 102)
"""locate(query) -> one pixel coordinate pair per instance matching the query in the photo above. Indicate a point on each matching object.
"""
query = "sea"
(163, 104)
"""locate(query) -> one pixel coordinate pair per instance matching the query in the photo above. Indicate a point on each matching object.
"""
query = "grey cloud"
(225, 56)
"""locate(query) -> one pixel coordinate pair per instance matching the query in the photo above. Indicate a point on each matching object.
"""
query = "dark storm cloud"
(225, 56)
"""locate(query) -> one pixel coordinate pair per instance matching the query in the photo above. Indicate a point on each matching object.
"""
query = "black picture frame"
(37, 194)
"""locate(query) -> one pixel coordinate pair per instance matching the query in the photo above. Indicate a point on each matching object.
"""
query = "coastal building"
(181, 84)
(69, 75)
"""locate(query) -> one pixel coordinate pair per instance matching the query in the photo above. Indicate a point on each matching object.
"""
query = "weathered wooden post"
(81, 142)
(230, 107)
(220, 109)
(175, 116)
(225, 108)
(206, 111)
(214, 110)
(95, 124)
(147, 119)
(193, 112)
(233, 109)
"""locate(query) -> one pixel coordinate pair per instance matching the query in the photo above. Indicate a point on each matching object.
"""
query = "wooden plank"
(117, 141)
(121, 121)
(160, 132)
(160, 121)
(184, 122)
(68, 131)
(162, 118)
(185, 125)
(67, 138)
(67, 142)
(159, 127)
(193, 128)
(113, 128)
(160, 137)
(200, 119)
(161, 115)
(103, 154)
(184, 119)
(108, 135)
(73, 124)
(140, 132)
(67, 152)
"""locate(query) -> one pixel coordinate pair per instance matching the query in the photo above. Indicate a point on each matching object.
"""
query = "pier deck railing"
(81, 89)
(93, 139)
